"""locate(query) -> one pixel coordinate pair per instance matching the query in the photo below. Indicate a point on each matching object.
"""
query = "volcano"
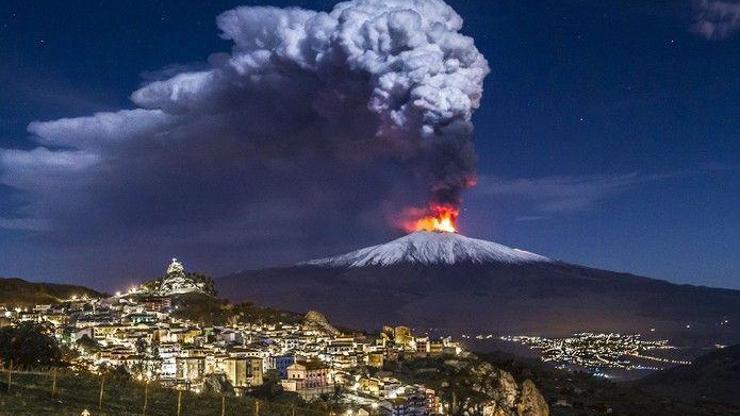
(458, 284)
(431, 248)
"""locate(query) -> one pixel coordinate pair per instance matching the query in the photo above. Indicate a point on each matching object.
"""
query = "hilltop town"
(174, 330)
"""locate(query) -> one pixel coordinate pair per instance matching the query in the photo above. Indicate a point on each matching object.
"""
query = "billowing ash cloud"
(344, 115)
(716, 19)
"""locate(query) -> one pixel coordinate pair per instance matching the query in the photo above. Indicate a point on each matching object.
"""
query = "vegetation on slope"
(199, 307)
(28, 345)
(31, 395)
(583, 394)
(18, 292)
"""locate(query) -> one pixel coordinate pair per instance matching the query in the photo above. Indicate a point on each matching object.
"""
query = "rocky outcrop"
(531, 402)
(506, 396)
(507, 391)
(316, 321)
(176, 281)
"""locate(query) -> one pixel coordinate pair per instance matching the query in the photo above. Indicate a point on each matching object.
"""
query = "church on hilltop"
(176, 281)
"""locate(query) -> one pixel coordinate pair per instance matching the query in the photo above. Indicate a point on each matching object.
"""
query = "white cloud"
(716, 19)
(99, 130)
(41, 168)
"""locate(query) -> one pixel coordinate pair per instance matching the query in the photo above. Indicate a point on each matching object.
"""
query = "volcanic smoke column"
(369, 102)
(426, 79)
(404, 61)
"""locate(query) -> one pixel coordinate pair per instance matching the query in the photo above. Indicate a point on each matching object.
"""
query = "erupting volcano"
(439, 218)
(445, 280)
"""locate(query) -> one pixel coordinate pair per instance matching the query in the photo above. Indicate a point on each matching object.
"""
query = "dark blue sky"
(608, 134)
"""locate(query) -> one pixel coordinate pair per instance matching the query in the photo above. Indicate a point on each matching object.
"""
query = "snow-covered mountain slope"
(426, 247)
(459, 284)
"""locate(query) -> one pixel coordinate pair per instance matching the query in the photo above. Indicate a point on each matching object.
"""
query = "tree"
(218, 384)
(29, 345)
(331, 403)
(118, 373)
(204, 282)
(88, 344)
(270, 388)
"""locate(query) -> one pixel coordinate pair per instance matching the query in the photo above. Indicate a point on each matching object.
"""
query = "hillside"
(697, 390)
(580, 394)
(544, 298)
(206, 309)
(31, 395)
(711, 378)
(19, 292)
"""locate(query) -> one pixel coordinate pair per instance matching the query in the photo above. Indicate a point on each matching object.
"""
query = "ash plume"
(311, 112)
(402, 61)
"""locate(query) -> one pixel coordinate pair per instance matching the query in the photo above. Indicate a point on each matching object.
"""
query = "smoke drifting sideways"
(314, 121)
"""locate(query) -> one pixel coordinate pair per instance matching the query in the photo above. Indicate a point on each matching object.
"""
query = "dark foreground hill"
(19, 292)
(580, 394)
(703, 389)
(711, 378)
(481, 286)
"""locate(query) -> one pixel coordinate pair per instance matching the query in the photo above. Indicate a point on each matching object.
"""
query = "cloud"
(313, 124)
(716, 19)
(42, 169)
(552, 195)
(172, 70)
(101, 130)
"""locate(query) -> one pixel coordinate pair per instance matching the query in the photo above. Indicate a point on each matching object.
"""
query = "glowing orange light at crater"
(440, 218)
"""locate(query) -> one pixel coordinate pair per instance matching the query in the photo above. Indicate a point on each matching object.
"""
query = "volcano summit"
(430, 248)
(460, 284)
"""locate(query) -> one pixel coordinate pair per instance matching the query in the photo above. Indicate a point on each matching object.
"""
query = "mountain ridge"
(365, 289)
(16, 291)
(430, 247)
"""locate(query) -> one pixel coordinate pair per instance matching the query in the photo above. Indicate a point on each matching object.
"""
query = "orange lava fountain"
(440, 218)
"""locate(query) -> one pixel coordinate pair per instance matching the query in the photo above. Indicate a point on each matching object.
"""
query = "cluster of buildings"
(595, 351)
(138, 331)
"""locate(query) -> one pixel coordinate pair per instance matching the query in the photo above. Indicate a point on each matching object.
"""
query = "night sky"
(608, 135)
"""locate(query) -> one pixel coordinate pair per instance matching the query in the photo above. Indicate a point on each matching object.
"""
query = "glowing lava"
(440, 218)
